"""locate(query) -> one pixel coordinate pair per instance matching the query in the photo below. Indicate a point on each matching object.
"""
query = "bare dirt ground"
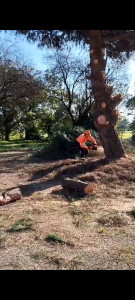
(98, 231)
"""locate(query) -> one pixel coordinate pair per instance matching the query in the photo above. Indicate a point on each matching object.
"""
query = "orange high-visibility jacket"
(82, 140)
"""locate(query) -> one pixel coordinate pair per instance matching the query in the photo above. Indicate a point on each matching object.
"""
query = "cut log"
(10, 196)
(78, 186)
(14, 194)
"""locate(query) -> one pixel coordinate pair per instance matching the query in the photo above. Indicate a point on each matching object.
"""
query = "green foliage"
(32, 133)
(131, 103)
(52, 238)
(132, 126)
(21, 225)
(59, 147)
(68, 90)
(19, 87)
(63, 142)
(46, 122)
(15, 145)
(123, 124)
(115, 41)
(125, 135)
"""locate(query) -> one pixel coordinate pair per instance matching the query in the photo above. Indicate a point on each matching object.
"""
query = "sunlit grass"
(125, 135)
(20, 144)
(14, 145)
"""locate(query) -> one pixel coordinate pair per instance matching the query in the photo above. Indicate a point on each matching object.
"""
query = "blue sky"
(131, 71)
(34, 56)
(30, 49)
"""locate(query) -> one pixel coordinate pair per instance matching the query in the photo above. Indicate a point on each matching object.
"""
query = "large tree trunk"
(27, 134)
(105, 104)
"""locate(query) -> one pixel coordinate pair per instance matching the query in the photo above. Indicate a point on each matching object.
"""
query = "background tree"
(131, 106)
(131, 103)
(66, 81)
(103, 44)
(123, 124)
(132, 125)
(19, 84)
(17, 87)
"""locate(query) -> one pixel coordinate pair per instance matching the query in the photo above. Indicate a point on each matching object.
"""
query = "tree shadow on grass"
(68, 167)
(54, 167)
(69, 196)
(70, 171)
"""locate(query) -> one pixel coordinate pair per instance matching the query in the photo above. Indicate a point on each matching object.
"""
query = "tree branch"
(119, 37)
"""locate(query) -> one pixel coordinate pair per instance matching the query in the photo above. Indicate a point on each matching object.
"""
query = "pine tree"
(103, 44)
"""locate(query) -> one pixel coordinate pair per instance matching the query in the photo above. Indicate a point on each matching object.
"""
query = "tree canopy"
(115, 41)
(103, 44)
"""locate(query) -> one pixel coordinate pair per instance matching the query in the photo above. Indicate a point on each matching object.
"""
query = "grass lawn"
(14, 145)
(53, 228)
(19, 144)
(125, 135)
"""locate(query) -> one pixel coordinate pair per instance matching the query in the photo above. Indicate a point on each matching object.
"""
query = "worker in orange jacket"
(82, 139)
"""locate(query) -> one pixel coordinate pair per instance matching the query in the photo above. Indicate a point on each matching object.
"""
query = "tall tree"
(17, 87)
(103, 44)
(65, 80)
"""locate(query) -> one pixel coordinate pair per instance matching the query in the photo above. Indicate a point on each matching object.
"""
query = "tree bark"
(105, 103)
(7, 134)
(78, 186)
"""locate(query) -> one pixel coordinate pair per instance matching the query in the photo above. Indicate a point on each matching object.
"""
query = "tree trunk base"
(111, 143)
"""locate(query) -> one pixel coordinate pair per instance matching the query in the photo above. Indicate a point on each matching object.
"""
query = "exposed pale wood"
(101, 120)
(103, 75)
(14, 194)
(103, 105)
(95, 61)
(103, 51)
(116, 112)
(10, 196)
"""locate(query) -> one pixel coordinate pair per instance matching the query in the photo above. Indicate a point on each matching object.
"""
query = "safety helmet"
(87, 132)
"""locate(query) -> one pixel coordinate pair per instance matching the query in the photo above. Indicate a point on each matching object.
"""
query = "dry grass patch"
(2, 240)
(131, 213)
(21, 225)
(82, 213)
(37, 256)
(130, 193)
(115, 219)
(97, 225)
